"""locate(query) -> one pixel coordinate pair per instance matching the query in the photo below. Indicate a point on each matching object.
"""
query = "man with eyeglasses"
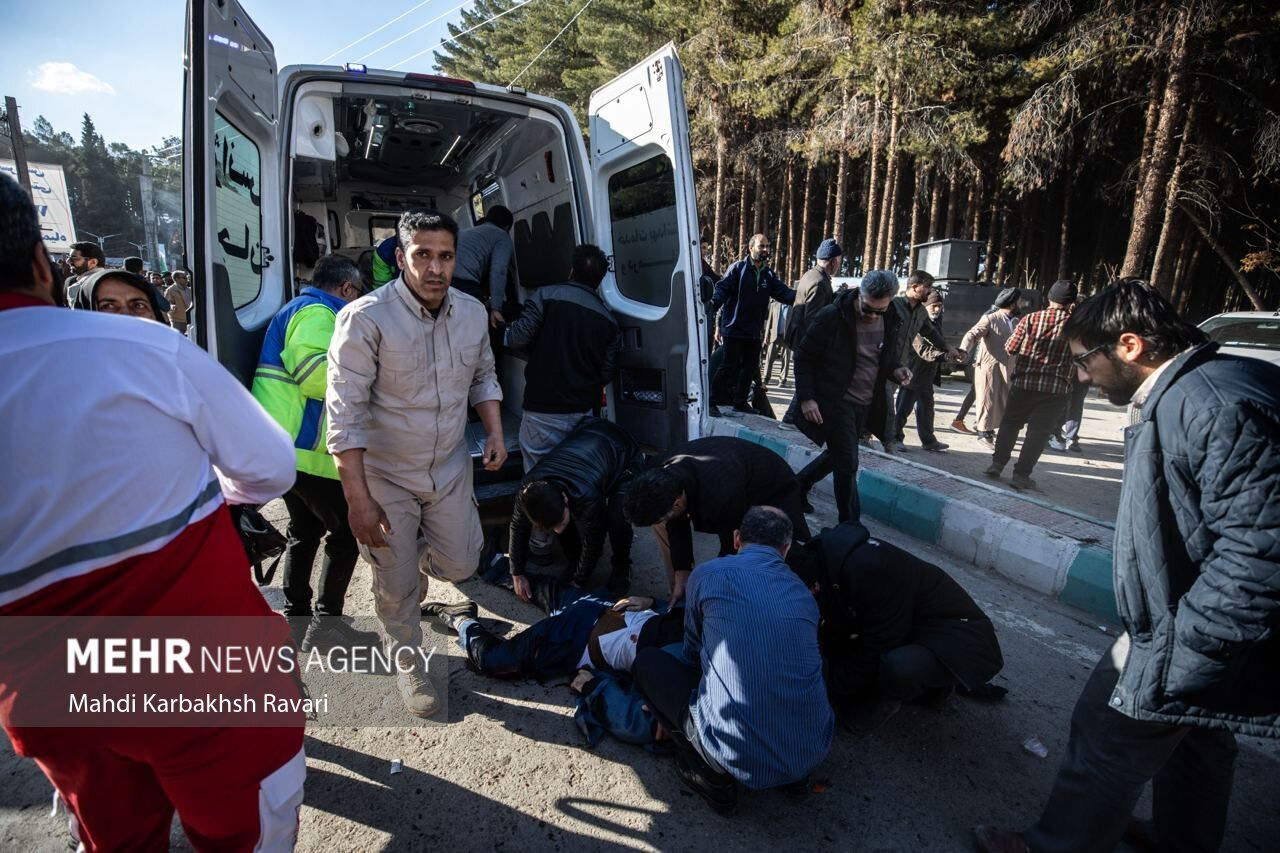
(1197, 579)
(1039, 389)
(290, 383)
(842, 362)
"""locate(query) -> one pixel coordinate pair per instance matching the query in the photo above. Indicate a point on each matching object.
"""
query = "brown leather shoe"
(993, 840)
(960, 426)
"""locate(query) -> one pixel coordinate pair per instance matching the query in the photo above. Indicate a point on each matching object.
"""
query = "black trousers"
(967, 403)
(910, 671)
(621, 535)
(1109, 760)
(922, 402)
(741, 365)
(1040, 412)
(469, 287)
(316, 504)
(1069, 429)
(840, 459)
(667, 683)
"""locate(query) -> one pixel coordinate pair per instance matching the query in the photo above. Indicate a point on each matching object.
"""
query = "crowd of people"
(357, 418)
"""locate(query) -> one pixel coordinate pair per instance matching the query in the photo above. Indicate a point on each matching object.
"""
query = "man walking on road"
(744, 292)
(179, 296)
(842, 365)
(290, 383)
(1197, 577)
(917, 394)
(404, 363)
(991, 371)
(1039, 388)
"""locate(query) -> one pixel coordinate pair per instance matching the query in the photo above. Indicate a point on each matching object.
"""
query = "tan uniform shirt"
(400, 381)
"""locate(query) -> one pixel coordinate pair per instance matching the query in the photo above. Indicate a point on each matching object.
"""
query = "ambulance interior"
(361, 155)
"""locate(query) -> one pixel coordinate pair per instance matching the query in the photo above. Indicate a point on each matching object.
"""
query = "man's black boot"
(329, 632)
(449, 615)
(720, 791)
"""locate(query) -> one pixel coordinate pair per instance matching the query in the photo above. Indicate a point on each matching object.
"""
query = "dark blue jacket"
(1197, 548)
(745, 298)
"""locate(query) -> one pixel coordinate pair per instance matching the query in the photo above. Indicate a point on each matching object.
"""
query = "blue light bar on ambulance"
(355, 67)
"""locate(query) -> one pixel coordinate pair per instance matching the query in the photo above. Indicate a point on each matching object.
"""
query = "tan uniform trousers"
(435, 534)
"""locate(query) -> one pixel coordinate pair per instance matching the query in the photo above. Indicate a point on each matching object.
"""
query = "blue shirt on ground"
(761, 709)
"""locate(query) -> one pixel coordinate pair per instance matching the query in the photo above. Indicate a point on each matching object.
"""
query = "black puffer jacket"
(1197, 550)
(590, 465)
(825, 360)
(885, 598)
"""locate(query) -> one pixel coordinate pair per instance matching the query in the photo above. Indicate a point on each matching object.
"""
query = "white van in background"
(352, 148)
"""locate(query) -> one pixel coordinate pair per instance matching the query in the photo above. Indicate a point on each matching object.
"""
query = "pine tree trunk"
(759, 216)
(883, 237)
(829, 208)
(742, 218)
(783, 237)
(1017, 271)
(975, 208)
(993, 226)
(1188, 276)
(1064, 228)
(802, 245)
(917, 205)
(1002, 243)
(955, 198)
(1146, 202)
(873, 197)
(717, 216)
(891, 228)
(1166, 248)
(1226, 258)
(935, 206)
(1150, 123)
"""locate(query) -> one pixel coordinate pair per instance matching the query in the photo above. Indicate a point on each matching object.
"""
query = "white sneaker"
(416, 691)
(1056, 444)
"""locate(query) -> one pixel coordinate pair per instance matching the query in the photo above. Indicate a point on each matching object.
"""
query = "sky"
(121, 62)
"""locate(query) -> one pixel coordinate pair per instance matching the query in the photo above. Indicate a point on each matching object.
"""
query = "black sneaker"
(721, 792)
(298, 624)
(449, 615)
(1074, 447)
(330, 632)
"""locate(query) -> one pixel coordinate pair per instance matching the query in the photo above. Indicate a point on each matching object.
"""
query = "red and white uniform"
(122, 444)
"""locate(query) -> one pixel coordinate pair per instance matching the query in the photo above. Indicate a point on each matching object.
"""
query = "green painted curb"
(1089, 584)
(909, 508)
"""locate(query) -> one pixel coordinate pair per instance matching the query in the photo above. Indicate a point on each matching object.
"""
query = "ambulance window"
(380, 228)
(646, 236)
(238, 201)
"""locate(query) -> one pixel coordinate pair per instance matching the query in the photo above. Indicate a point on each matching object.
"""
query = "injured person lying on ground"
(894, 628)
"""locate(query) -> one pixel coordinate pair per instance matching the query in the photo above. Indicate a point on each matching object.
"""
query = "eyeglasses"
(1081, 359)
(867, 309)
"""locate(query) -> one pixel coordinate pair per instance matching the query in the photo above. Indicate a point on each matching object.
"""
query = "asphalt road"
(509, 772)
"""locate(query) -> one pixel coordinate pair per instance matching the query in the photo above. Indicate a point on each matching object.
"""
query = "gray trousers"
(1111, 757)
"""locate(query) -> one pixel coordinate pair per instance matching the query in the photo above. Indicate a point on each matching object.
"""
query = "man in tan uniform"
(404, 362)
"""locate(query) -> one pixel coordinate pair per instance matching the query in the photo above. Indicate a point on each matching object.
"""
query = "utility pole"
(15, 138)
(148, 213)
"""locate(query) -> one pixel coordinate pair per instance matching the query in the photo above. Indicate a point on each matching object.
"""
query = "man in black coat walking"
(894, 627)
(1197, 577)
(576, 491)
(708, 485)
(842, 363)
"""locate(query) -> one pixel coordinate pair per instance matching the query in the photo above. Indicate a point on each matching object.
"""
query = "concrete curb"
(1074, 571)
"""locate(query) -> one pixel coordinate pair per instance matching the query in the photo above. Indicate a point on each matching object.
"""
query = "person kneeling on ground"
(895, 628)
(577, 491)
(755, 711)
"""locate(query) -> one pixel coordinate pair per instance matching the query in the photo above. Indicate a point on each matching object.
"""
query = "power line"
(374, 32)
(439, 44)
(414, 30)
(553, 41)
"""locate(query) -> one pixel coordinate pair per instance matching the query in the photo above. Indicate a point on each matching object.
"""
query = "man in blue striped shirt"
(747, 705)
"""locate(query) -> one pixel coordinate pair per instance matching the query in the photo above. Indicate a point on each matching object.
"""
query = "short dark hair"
(19, 236)
(651, 496)
(91, 251)
(877, 284)
(765, 525)
(543, 503)
(919, 277)
(333, 271)
(589, 265)
(1132, 305)
(500, 216)
(133, 264)
(421, 219)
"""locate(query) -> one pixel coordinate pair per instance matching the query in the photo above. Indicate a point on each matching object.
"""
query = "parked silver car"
(1255, 334)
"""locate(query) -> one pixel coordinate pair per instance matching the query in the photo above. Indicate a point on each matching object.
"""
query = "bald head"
(765, 525)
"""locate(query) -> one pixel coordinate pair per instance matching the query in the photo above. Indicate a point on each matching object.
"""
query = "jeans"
(1069, 431)
(316, 504)
(922, 402)
(840, 459)
(740, 366)
(1039, 412)
(1109, 760)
